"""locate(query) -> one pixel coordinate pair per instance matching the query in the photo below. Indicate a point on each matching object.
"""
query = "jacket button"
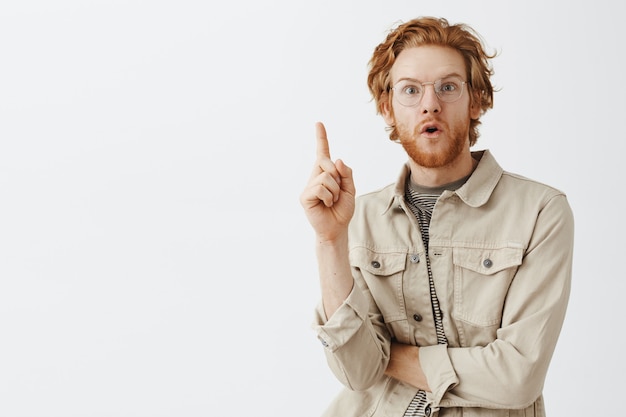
(487, 263)
(427, 411)
(417, 317)
(415, 258)
(376, 264)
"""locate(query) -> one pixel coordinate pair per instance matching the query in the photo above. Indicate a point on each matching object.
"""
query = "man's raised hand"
(328, 198)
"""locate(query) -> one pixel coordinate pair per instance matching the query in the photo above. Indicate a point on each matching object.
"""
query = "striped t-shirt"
(421, 200)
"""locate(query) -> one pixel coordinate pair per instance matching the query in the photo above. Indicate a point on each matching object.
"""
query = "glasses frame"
(437, 90)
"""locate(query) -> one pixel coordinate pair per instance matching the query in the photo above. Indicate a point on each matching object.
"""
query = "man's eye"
(411, 90)
(448, 87)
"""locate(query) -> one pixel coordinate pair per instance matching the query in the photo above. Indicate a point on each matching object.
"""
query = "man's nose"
(430, 101)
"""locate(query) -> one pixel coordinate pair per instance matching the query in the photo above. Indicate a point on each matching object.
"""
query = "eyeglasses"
(410, 92)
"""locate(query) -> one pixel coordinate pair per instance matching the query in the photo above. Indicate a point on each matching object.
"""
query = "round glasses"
(410, 92)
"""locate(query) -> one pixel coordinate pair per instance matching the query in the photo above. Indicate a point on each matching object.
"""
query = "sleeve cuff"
(437, 367)
(337, 330)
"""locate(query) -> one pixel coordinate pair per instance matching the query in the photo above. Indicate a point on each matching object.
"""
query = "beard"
(455, 145)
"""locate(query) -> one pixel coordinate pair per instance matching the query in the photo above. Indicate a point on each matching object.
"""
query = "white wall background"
(154, 259)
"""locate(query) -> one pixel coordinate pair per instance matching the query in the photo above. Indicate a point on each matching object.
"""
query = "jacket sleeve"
(510, 371)
(356, 341)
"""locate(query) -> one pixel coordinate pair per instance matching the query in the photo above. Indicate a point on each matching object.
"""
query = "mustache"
(430, 124)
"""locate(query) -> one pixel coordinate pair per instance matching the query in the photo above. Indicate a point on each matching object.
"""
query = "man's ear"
(385, 109)
(475, 107)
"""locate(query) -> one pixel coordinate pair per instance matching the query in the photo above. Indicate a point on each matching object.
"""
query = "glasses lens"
(408, 93)
(449, 89)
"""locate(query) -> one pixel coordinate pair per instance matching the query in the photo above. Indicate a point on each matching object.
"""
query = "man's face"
(433, 132)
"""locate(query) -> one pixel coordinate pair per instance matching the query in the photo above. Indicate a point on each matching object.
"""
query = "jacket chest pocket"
(382, 273)
(481, 281)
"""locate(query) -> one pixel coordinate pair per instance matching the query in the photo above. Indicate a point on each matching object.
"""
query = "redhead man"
(444, 293)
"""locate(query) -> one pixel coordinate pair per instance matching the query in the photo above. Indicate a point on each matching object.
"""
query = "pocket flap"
(378, 263)
(487, 261)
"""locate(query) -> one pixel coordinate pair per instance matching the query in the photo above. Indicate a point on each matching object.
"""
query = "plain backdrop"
(154, 258)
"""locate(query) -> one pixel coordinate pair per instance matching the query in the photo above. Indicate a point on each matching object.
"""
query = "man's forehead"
(428, 61)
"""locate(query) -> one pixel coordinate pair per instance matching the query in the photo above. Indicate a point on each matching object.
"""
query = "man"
(444, 293)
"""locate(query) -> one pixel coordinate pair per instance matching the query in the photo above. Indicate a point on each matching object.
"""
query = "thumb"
(347, 181)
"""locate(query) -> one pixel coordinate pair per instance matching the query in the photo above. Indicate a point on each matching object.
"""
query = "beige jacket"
(501, 251)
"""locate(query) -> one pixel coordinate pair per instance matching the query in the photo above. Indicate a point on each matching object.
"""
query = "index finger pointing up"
(322, 141)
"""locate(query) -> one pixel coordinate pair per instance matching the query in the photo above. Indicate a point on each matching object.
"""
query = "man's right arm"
(336, 280)
(356, 341)
(328, 201)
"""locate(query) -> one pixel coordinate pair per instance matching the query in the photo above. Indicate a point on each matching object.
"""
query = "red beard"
(456, 143)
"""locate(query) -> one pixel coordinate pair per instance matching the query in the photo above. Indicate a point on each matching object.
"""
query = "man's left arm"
(510, 371)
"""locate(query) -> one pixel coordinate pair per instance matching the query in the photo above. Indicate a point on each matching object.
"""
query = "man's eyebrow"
(452, 74)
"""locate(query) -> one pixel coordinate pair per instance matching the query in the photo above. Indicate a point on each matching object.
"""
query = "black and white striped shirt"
(421, 200)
